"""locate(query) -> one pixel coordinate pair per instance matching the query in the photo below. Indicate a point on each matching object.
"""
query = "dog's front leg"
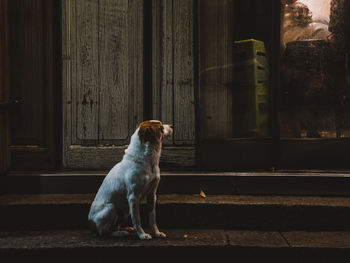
(151, 203)
(134, 204)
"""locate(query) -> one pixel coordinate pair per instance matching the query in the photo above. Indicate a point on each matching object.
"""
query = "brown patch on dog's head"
(151, 131)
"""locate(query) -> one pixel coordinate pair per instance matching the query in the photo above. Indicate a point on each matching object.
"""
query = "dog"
(135, 177)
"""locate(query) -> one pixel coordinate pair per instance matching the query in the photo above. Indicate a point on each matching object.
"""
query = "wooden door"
(104, 89)
(4, 88)
(34, 83)
(102, 79)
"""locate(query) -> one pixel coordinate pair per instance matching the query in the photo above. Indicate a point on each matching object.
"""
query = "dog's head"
(154, 131)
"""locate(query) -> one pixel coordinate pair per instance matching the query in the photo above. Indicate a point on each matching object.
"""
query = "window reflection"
(315, 86)
(235, 40)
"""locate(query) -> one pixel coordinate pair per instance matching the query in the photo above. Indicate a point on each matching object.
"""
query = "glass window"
(235, 40)
(315, 84)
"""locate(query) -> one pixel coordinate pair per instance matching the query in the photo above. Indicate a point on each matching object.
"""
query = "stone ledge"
(254, 183)
(163, 199)
(236, 212)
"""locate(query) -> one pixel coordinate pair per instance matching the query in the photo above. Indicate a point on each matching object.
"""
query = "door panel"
(173, 70)
(101, 98)
(33, 49)
(27, 38)
(103, 75)
(183, 75)
(103, 79)
(4, 89)
(173, 77)
(114, 90)
(85, 67)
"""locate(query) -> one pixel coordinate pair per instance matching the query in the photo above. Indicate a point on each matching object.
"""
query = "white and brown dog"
(136, 176)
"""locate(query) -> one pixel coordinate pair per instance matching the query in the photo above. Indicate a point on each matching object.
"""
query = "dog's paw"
(145, 236)
(160, 234)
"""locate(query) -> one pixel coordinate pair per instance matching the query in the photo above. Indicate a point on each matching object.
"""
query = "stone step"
(180, 245)
(216, 183)
(236, 212)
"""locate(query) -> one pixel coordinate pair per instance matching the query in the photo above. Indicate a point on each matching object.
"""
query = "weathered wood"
(85, 95)
(157, 51)
(179, 156)
(116, 29)
(98, 157)
(67, 63)
(162, 61)
(136, 62)
(173, 70)
(105, 157)
(167, 97)
(113, 70)
(183, 72)
(102, 44)
(215, 69)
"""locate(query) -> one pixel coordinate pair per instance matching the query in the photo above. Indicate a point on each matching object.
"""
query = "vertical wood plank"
(113, 69)
(157, 65)
(104, 70)
(66, 79)
(168, 70)
(4, 88)
(102, 42)
(86, 92)
(183, 72)
(173, 78)
(167, 61)
(67, 58)
(135, 70)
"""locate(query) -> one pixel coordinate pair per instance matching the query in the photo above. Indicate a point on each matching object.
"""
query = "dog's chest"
(150, 183)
